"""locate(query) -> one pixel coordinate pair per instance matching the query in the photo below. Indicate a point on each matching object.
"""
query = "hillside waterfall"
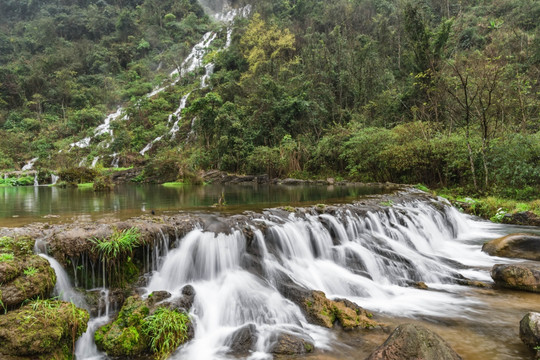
(370, 258)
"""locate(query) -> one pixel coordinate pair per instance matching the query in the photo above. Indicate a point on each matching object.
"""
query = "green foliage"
(78, 175)
(6, 257)
(115, 253)
(167, 330)
(30, 271)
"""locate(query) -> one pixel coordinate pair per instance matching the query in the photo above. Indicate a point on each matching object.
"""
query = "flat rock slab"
(521, 246)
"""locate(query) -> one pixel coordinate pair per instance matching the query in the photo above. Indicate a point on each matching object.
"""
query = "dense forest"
(435, 92)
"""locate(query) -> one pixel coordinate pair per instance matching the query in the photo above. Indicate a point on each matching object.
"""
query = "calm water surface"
(21, 205)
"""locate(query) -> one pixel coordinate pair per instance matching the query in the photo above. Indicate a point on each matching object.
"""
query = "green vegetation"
(143, 329)
(42, 328)
(85, 186)
(173, 184)
(167, 330)
(444, 95)
(30, 271)
(115, 253)
(6, 257)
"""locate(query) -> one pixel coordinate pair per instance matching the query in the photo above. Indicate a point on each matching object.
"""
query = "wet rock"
(518, 276)
(523, 246)
(23, 275)
(325, 312)
(158, 296)
(529, 331)
(411, 341)
(291, 344)
(242, 341)
(184, 302)
(44, 328)
(420, 285)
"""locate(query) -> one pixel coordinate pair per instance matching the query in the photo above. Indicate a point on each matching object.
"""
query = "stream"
(369, 255)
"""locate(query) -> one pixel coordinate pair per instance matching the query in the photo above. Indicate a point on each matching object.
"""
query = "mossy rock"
(139, 330)
(43, 328)
(24, 276)
(125, 337)
(326, 312)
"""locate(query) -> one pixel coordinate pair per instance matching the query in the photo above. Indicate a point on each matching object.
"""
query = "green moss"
(173, 184)
(137, 331)
(6, 257)
(85, 186)
(42, 328)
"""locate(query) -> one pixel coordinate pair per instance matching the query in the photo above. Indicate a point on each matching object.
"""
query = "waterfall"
(85, 347)
(94, 162)
(371, 258)
(36, 182)
(54, 179)
(30, 164)
(63, 288)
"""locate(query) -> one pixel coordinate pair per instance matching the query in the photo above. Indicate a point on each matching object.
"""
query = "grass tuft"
(167, 330)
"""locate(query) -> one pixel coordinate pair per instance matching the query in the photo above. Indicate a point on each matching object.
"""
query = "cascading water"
(370, 258)
(36, 182)
(29, 165)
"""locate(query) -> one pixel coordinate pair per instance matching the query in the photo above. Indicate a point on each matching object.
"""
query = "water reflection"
(32, 203)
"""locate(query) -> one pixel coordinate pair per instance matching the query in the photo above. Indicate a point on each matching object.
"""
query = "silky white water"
(370, 258)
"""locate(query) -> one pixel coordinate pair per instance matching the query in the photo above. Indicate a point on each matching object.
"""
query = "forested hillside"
(436, 92)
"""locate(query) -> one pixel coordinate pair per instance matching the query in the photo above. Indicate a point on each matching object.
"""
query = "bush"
(77, 175)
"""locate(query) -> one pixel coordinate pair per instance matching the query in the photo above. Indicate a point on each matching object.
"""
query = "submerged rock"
(523, 246)
(410, 341)
(517, 276)
(23, 275)
(285, 343)
(529, 331)
(44, 328)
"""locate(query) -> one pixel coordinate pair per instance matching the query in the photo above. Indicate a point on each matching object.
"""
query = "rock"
(420, 285)
(410, 341)
(331, 181)
(523, 218)
(325, 312)
(23, 275)
(285, 343)
(518, 276)
(129, 335)
(529, 331)
(242, 341)
(289, 181)
(157, 297)
(43, 328)
(183, 303)
(523, 246)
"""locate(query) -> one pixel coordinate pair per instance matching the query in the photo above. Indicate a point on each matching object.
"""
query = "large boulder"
(44, 328)
(23, 275)
(522, 246)
(411, 341)
(529, 331)
(517, 276)
(288, 343)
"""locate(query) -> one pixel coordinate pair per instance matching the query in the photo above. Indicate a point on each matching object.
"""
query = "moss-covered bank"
(42, 329)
